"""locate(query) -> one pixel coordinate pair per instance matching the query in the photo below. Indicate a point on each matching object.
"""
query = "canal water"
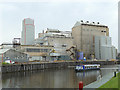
(53, 78)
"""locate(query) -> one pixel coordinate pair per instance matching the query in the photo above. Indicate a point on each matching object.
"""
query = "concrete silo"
(28, 32)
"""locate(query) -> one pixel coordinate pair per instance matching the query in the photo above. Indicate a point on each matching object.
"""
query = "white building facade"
(61, 40)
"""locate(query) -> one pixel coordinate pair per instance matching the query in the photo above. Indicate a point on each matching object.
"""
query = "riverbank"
(100, 82)
(112, 83)
(49, 65)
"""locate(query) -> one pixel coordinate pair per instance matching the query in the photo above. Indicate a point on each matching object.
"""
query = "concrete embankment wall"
(41, 66)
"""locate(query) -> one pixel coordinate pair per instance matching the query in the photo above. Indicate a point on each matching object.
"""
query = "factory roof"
(3, 50)
(78, 23)
(37, 45)
(58, 37)
(48, 29)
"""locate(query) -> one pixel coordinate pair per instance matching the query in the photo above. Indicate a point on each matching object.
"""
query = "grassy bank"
(114, 82)
(4, 63)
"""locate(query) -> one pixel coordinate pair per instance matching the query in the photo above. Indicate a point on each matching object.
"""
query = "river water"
(53, 78)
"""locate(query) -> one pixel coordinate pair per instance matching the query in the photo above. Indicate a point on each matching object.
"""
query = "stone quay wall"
(42, 66)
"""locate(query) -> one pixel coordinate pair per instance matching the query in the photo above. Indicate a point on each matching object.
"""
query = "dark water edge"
(52, 78)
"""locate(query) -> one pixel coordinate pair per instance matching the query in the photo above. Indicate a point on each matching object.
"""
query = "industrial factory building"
(36, 52)
(104, 49)
(61, 40)
(84, 36)
(11, 54)
(90, 40)
(81, 41)
(28, 32)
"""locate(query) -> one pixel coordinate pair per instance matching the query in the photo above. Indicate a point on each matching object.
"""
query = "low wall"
(40, 66)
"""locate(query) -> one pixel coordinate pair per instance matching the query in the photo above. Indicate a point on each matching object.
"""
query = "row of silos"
(104, 49)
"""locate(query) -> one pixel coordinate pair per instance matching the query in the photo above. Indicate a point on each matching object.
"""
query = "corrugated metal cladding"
(10, 54)
(104, 49)
(106, 53)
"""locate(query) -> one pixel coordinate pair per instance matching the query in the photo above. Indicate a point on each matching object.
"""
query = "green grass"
(113, 83)
(4, 63)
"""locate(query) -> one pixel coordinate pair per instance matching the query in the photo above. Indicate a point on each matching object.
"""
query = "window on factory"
(42, 50)
(36, 50)
(64, 45)
(45, 50)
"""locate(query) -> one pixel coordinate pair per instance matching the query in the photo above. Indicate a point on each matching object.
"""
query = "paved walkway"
(100, 82)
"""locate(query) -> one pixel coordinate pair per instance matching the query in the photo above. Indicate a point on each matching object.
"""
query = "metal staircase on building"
(72, 50)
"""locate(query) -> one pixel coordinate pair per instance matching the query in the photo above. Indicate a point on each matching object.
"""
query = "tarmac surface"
(99, 82)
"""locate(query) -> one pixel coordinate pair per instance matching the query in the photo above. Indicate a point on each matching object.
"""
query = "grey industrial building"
(84, 36)
(11, 54)
(104, 49)
(36, 52)
(61, 40)
(91, 39)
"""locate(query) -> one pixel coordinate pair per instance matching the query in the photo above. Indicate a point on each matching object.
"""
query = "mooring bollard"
(114, 73)
(119, 69)
(80, 85)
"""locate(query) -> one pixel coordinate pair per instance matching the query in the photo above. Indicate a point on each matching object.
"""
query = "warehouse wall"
(14, 56)
(84, 37)
(104, 49)
(60, 44)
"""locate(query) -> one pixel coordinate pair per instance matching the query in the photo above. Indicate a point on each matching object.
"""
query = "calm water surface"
(52, 78)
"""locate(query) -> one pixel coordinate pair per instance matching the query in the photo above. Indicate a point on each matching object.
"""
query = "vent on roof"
(98, 23)
(93, 22)
(82, 21)
(87, 21)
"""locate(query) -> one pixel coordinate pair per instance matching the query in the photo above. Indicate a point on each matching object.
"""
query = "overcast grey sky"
(57, 14)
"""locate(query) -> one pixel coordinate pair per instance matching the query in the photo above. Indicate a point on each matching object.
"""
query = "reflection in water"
(88, 76)
(62, 78)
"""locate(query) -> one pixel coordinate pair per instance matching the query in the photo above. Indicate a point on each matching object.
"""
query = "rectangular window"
(64, 45)
(36, 50)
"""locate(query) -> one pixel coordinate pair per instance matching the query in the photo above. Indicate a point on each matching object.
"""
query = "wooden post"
(2, 58)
